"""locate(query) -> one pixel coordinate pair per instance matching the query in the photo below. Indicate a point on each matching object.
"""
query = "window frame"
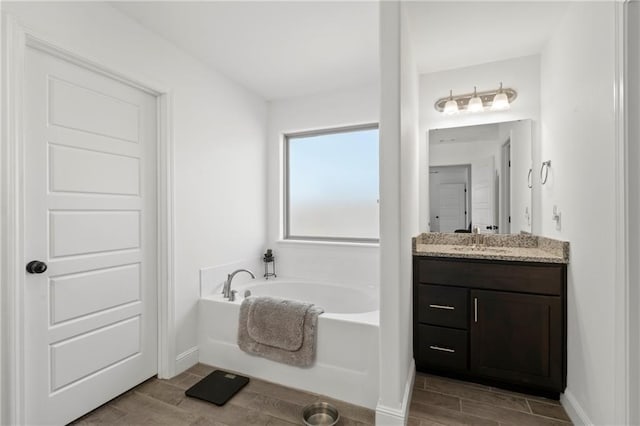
(286, 179)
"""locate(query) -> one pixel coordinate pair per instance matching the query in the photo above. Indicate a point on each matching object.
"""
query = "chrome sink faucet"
(478, 239)
(226, 289)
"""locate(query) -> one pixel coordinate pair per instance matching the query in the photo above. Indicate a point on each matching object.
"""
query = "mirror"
(481, 176)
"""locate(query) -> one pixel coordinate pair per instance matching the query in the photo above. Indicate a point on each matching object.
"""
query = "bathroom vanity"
(493, 312)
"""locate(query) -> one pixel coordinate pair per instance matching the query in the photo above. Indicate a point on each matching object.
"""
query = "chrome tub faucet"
(226, 289)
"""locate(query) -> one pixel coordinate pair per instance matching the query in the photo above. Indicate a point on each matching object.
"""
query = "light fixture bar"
(463, 100)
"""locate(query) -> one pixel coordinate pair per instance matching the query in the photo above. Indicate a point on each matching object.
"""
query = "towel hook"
(544, 170)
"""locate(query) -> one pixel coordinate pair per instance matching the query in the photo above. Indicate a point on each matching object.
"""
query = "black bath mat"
(218, 387)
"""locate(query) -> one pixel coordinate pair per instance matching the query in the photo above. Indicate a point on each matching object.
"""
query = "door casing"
(16, 40)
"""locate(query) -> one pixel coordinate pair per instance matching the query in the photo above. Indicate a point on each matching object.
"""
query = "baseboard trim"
(187, 359)
(575, 411)
(390, 416)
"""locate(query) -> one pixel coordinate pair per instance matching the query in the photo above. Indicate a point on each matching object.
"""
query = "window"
(331, 185)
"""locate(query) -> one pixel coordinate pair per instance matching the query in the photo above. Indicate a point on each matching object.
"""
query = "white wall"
(578, 136)
(452, 153)
(398, 212)
(522, 74)
(520, 135)
(633, 104)
(350, 264)
(409, 197)
(219, 136)
(4, 215)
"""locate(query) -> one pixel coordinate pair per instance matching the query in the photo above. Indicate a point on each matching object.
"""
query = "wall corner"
(390, 416)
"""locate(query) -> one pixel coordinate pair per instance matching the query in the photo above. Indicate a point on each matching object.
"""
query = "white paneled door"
(90, 203)
(451, 206)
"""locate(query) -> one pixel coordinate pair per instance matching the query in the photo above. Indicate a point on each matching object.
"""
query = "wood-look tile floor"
(441, 401)
(163, 402)
(436, 401)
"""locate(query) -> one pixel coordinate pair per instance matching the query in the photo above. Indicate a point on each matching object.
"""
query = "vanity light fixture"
(451, 106)
(495, 100)
(475, 103)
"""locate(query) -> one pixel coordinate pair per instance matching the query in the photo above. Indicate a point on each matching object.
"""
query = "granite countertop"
(522, 247)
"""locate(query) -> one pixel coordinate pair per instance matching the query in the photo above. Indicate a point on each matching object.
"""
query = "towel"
(277, 322)
(278, 329)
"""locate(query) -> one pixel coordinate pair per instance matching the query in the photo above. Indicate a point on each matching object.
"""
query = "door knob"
(36, 267)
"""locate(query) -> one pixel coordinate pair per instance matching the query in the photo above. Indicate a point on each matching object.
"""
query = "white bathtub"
(346, 365)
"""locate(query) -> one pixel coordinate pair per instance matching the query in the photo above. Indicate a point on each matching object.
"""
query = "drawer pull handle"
(475, 309)
(449, 308)
(438, 348)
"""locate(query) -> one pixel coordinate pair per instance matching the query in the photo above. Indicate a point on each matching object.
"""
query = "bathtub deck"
(162, 402)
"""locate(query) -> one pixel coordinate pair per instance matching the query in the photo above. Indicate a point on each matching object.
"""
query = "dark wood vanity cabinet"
(502, 322)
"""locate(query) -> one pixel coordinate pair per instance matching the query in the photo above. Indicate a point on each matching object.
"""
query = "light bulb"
(475, 103)
(451, 107)
(500, 100)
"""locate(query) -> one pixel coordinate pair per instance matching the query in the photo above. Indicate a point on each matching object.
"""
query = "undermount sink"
(484, 249)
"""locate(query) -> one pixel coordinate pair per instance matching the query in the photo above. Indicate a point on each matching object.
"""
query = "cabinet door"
(517, 337)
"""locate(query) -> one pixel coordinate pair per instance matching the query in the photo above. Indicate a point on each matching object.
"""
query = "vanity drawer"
(540, 278)
(442, 305)
(441, 347)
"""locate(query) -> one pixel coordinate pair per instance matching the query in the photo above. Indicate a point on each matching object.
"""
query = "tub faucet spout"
(226, 289)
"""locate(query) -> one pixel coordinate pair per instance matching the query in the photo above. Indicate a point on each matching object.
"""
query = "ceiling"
(455, 34)
(283, 49)
(277, 49)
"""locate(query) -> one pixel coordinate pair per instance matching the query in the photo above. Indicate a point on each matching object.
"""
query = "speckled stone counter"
(523, 247)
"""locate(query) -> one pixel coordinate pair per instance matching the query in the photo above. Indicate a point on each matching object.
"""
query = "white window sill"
(327, 243)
